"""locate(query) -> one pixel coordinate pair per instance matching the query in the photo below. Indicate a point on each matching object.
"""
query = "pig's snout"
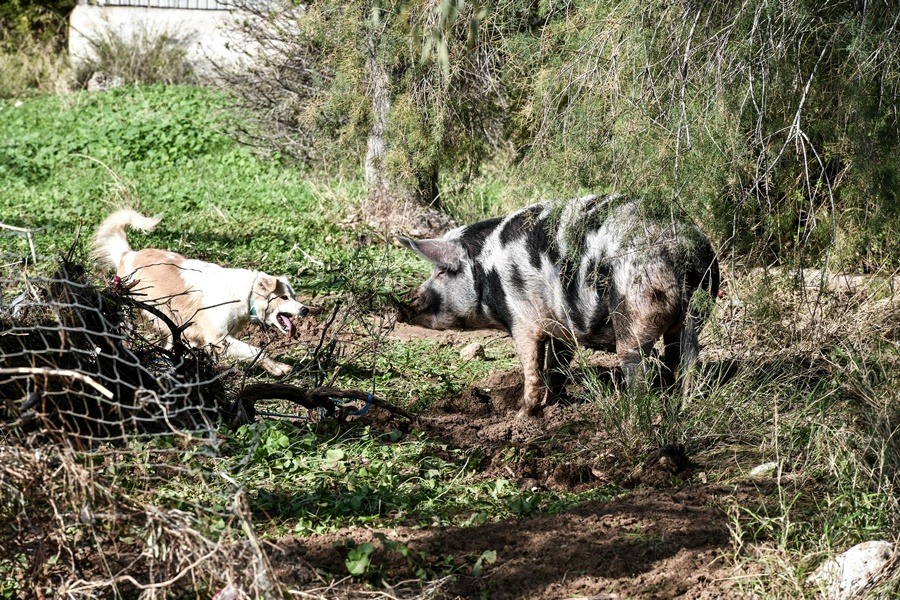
(406, 313)
(408, 307)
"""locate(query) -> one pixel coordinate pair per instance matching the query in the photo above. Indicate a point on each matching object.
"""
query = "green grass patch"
(314, 479)
(418, 372)
(66, 162)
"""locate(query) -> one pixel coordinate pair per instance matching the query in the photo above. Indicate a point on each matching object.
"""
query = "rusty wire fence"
(103, 433)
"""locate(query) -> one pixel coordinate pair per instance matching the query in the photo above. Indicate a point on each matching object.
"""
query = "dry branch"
(310, 399)
(29, 235)
(64, 373)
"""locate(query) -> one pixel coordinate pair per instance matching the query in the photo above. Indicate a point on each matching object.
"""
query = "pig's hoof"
(535, 410)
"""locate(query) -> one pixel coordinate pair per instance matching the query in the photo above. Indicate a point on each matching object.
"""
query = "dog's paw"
(276, 368)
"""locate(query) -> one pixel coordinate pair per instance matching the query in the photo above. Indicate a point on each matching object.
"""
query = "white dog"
(217, 302)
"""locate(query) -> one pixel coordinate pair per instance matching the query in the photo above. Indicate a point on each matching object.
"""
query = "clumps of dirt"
(667, 465)
(500, 392)
(547, 452)
(661, 538)
(574, 477)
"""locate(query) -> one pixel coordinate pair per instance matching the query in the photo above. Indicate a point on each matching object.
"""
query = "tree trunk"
(377, 184)
(401, 205)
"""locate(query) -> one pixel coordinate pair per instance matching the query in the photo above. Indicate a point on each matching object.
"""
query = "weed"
(31, 62)
(10, 584)
(33, 68)
(359, 558)
(360, 561)
(320, 483)
(144, 55)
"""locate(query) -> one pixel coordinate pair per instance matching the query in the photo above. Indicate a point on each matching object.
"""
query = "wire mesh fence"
(115, 479)
(95, 419)
(71, 362)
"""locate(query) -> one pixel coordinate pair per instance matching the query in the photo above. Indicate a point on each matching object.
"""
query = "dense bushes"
(32, 38)
(774, 124)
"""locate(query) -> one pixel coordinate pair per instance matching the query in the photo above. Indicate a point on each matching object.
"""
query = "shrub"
(31, 39)
(143, 56)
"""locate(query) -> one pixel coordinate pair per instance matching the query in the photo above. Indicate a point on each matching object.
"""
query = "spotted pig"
(599, 271)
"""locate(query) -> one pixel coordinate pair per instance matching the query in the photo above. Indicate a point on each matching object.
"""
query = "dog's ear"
(286, 285)
(266, 284)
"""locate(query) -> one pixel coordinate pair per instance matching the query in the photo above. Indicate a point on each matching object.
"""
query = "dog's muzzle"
(285, 324)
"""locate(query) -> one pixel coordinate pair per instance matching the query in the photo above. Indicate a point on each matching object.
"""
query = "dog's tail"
(111, 243)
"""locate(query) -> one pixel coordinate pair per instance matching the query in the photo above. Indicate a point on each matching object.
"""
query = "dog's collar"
(251, 305)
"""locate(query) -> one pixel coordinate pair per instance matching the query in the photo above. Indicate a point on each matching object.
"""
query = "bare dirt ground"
(665, 536)
(648, 543)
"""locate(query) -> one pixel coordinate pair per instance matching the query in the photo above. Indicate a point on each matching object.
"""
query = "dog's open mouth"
(285, 324)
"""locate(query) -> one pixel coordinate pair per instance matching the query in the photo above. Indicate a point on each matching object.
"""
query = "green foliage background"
(67, 160)
(774, 124)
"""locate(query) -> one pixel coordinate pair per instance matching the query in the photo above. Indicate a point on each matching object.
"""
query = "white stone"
(101, 81)
(850, 573)
(472, 351)
(763, 469)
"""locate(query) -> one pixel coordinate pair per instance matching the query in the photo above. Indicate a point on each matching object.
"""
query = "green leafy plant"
(488, 557)
(359, 558)
(12, 575)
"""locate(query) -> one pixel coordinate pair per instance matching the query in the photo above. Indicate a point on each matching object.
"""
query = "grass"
(66, 161)
(806, 379)
(315, 480)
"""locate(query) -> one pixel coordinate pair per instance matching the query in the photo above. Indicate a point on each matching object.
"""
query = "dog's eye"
(284, 297)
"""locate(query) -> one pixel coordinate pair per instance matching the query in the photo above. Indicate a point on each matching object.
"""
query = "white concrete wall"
(208, 34)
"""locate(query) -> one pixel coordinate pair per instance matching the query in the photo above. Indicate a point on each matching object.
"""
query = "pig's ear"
(442, 253)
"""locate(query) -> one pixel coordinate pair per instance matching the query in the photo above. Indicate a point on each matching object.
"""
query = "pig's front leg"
(530, 349)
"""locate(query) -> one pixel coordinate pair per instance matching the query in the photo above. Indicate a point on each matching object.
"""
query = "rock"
(101, 81)
(430, 222)
(764, 470)
(850, 573)
(472, 351)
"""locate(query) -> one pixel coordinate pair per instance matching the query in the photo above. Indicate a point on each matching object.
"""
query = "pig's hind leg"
(557, 360)
(635, 338)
